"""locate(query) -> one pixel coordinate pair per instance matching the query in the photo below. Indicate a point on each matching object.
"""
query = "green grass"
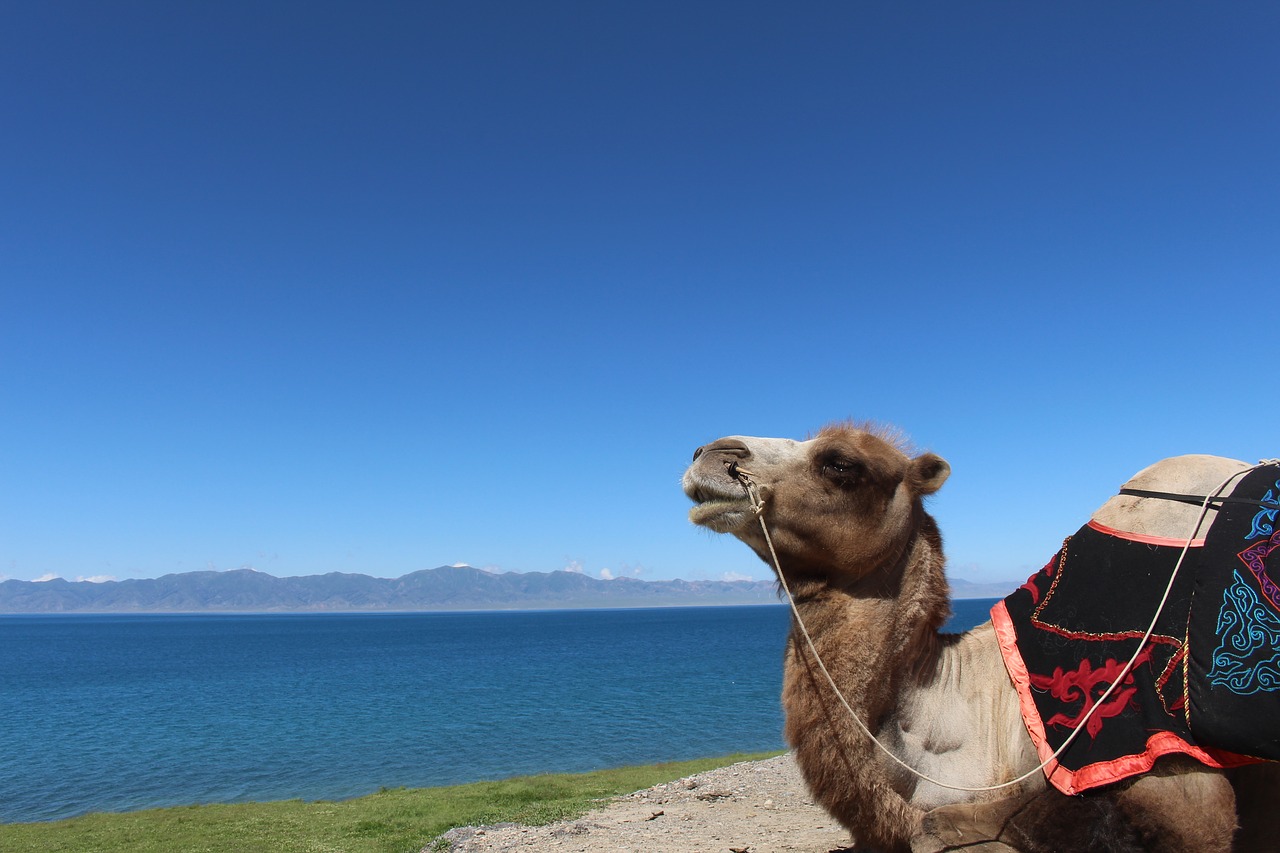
(402, 820)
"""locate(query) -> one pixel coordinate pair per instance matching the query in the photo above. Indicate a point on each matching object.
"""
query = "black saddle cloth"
(1207, 684)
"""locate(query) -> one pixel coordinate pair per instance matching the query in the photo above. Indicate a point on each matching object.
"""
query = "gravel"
(751, 807)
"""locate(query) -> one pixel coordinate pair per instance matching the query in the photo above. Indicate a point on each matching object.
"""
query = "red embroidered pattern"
(1080, 685)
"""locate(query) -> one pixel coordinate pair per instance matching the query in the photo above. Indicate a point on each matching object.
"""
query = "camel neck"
(871, 644)
(884, 626)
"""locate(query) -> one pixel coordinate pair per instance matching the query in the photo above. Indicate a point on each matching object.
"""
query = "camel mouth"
(720, 507)
(722, 516)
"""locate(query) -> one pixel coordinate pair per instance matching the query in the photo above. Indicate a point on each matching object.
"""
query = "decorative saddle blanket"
(1207, 684)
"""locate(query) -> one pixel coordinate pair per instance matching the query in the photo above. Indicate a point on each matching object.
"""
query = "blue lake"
(113, 713)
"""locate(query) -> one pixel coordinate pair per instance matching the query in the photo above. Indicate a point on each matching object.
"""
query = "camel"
(865, 565)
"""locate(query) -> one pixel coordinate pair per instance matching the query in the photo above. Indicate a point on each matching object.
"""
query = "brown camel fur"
(864, 562)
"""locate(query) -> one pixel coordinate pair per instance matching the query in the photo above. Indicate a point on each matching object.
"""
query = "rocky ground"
(752, 807)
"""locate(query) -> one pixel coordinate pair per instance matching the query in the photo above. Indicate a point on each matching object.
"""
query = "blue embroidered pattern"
(1264, 523)
(1247, 659)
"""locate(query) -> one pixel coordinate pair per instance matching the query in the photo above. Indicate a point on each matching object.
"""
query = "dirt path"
(752, 807)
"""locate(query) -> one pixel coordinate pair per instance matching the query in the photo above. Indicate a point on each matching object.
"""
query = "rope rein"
(757, 508)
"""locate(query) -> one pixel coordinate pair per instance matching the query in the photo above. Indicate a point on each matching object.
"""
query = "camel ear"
(928, 473)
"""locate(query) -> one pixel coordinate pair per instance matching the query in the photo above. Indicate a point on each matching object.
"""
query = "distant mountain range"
(445, 588)
(961, 588)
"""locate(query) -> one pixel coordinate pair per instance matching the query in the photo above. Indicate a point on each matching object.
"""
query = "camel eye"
(844, 470)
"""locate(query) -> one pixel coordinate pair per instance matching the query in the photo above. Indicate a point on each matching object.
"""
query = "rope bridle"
(757, 508)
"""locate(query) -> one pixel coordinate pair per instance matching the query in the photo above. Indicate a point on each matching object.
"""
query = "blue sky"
(316, 287)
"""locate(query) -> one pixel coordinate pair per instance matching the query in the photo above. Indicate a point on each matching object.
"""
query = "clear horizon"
(328, 287)
(728, 576)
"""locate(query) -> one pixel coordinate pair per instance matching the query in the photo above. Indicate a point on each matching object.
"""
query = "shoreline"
(420, 791)
(752, 802)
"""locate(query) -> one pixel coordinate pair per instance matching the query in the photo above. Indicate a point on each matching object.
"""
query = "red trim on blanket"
(1017, 668)
(1104, 772)
(1144, 538)
(1160, 743)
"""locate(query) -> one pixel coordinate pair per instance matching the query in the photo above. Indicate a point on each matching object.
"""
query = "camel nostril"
(733, 469)
(697, 453)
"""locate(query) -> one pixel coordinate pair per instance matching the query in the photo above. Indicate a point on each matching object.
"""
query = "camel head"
(838, 506)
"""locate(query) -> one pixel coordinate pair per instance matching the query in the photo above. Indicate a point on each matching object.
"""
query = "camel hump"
(1164, 519)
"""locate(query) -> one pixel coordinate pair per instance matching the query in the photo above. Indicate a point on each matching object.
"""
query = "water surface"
(112, 713)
